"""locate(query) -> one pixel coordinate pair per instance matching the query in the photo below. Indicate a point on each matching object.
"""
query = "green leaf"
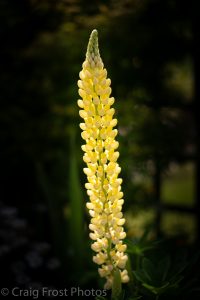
(148, 268)
(156, 290)
(130, 274)
(129, 269)
(175, 283)
(76, 207)
(140, 276)
(164, 265)
(177, 272)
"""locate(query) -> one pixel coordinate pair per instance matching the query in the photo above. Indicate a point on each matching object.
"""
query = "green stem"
(117, 286)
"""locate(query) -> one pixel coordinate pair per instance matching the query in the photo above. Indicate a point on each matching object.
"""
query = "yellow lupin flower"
(100, 155)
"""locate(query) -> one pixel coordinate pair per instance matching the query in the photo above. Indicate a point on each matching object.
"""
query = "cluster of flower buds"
(100, 155)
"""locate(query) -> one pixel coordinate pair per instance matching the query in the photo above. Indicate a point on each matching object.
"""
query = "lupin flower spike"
(100, 155)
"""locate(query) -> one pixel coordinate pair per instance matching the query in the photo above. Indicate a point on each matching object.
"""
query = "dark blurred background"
(151, 51)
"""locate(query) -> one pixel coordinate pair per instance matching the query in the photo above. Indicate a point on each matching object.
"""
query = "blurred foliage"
(179, 180)
(147, 49)
(161, 269)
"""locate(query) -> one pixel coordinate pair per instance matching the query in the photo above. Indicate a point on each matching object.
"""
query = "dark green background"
(151, 52)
